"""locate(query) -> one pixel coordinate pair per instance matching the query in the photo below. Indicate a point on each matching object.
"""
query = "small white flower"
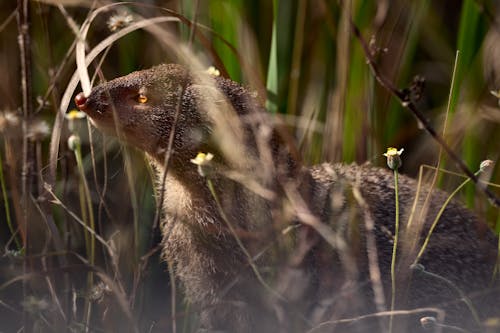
(213, 71)
(203, 161)
(75, 114)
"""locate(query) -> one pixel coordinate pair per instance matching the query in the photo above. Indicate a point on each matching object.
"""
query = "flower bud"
(428, 323)
(393, 158)
(73, 142)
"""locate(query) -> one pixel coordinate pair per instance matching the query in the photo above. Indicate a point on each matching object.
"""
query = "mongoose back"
(272, 245)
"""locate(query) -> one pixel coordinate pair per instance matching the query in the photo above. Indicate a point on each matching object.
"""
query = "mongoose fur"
(278, 209)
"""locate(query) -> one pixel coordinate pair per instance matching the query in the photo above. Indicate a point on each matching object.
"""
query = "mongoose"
(272, 245)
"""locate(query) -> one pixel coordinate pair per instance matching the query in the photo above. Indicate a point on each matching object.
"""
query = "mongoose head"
(214, 115)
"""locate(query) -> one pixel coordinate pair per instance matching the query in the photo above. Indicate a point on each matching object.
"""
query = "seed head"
(119, 21)
(38, 130)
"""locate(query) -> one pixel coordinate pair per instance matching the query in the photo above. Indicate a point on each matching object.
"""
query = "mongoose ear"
(242, 134)
(208, 91)
(226, 126)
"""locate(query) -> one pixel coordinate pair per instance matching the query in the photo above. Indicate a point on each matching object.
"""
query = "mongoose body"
(273, 245)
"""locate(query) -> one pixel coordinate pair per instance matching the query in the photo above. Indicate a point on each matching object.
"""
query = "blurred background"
(306, 65)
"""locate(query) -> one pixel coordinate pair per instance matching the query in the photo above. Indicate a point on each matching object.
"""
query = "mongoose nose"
(80, 101)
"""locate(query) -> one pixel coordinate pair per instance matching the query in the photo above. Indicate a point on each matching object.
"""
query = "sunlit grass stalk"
(415, 201)
(450, 109)
(6, 205)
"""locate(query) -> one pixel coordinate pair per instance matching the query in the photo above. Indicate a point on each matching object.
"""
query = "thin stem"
(394, 248)
(449, 110)
(497, 265)
(88, 200)
(90, 222)
(463, 296)
(415, 201)
(173, 298)
(439, 317)
(438, 216)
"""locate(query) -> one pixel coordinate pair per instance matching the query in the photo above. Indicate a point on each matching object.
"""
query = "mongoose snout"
(80, 101)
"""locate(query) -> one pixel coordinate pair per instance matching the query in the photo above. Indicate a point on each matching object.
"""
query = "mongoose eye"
(141, 98)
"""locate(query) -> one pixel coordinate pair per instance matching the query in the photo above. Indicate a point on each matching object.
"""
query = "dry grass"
(79, 225)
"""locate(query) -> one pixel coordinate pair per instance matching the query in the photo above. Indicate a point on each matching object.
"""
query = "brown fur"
(318, 281)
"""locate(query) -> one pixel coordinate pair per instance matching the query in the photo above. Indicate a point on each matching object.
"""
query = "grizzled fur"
(320, 276)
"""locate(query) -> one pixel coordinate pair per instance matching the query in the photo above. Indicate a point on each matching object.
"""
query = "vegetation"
(78, 218)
